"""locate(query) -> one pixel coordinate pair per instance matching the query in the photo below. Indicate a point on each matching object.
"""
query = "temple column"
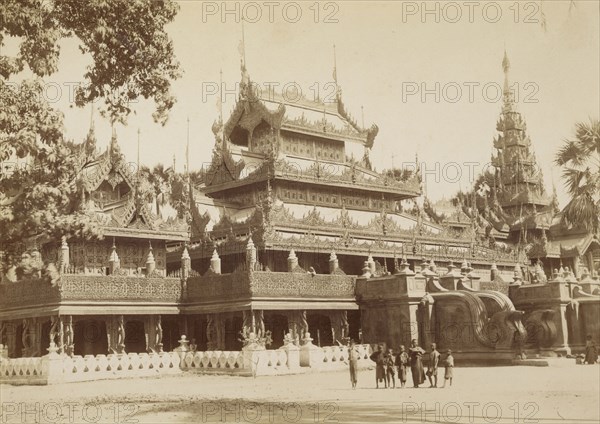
(69, 340)
(111, 333)
(3, 343)
(339, 326)
(215, 332)
(36, 337)
(120, 334)
(11, 338)
(150, 332)
(25, 340)
(158, 334)
(297, 325)
(31, 337)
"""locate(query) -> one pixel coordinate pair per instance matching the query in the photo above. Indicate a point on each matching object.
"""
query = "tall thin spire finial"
(187, 148)
(362, 113)
(334, 67)
(138, 152)
(243, 44)
(92, 116)
(221, 108)
(508, 94)
(113, 137)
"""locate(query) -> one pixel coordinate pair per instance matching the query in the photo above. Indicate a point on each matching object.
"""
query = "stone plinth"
(310, 355)
(183, 347)
(293, 355)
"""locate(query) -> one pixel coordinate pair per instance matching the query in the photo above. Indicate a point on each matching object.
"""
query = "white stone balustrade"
(336, 357)
(247, 362)
(215, 361)
(54, 368)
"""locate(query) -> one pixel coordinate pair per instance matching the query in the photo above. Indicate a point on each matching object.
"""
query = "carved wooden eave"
(223, 166)
(129, 220)
(304, 234)
(249, 112)
(369, 133)
(353, 178)
(346, 244)
(108, 166)
(199, 221)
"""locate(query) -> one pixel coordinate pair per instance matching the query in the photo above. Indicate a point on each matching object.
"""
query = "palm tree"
(158, 178)
(580, 159)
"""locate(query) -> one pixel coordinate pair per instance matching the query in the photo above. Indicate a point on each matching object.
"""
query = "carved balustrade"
(32, 292)
(269, 284)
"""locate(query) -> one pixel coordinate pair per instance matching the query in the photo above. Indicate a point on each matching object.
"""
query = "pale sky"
(380, 56)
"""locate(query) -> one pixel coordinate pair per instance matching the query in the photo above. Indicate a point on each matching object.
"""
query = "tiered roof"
(519, 179)
(125, 216)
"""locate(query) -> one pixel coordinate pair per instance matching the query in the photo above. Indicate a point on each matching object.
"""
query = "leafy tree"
(580, 159)
(132, 57)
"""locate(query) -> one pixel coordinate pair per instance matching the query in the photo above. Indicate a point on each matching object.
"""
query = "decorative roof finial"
(505, 63)
(335, 68)
(508, 93)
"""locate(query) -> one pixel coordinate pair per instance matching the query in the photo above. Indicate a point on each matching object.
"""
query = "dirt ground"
(561, 393)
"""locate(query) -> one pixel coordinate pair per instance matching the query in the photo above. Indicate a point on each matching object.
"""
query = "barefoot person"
(432, 370)
(416, 363)
(390, 369)
(353, 362)
(591, 351)
(379, 358)
(449, 368)
(402, 363)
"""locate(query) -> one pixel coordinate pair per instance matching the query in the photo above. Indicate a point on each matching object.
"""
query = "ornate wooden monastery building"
(293, 231)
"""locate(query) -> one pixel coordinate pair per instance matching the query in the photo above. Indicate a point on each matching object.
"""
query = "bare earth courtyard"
(561, 393)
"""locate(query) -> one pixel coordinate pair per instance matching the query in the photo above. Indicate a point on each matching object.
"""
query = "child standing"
(402, 363)
(390, 369)
(449, 368)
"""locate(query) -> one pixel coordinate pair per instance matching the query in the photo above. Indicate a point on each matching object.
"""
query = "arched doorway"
(319, 326)
(278, 325)
(89, 337)
(135, 336)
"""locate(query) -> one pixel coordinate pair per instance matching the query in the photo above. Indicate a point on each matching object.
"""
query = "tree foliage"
(580, 160)
(132, 57)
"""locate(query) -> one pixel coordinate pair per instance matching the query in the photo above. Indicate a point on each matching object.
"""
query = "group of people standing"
(390, 363)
